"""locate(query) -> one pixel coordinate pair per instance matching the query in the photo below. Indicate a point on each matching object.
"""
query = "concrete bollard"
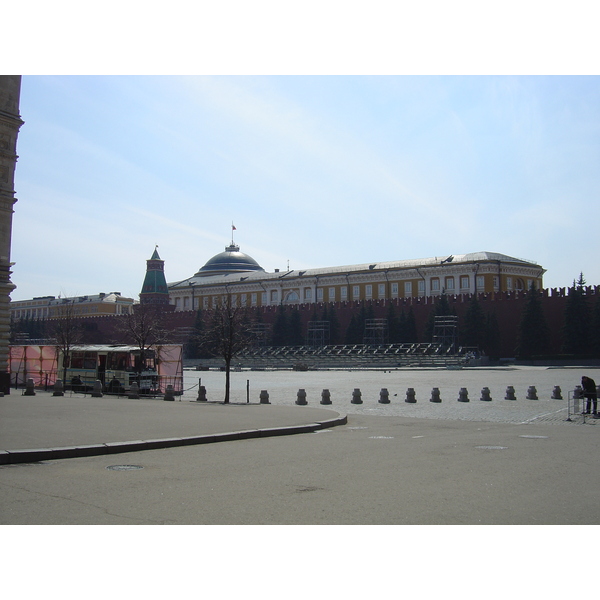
(510, 393)
(97, 389)
(384, 396)
(578, 392)
(325, 397)
(411, 396)
(435, 395)
(201, 394)
(301, 397)
(169, 394)
(134, 391)
(58, 388)
(356, 396)
(532, 393)
(557, 393)
(463, 395)
(264, 397)
(29, 388)
(485, 395)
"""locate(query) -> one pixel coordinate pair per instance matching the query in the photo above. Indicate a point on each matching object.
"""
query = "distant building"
(49, 307)
(233, 272)
(154, 291)
(10, 123)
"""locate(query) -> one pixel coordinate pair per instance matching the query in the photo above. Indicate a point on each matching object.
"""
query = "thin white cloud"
(343, 169)
(408, 167)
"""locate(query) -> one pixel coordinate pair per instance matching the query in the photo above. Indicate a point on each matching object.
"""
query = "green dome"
(230, 261)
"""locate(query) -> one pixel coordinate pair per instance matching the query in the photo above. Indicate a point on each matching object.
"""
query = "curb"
(9, 457)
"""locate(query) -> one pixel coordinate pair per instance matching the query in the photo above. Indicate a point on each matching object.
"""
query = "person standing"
(590, 393)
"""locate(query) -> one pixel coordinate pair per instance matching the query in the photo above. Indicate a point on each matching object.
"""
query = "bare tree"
(227, 332)
(66, 330)
(145, 329)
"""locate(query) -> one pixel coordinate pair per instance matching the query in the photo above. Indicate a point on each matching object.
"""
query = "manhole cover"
(124, 467)
(380, 437)
(492, 447)
(535, 437)
(357, 428)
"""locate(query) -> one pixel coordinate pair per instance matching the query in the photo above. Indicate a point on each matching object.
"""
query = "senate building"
(235, 273)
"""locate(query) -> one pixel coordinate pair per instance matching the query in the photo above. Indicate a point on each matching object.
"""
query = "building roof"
(154, 283)
(229, 261)
(222, 276)
(53, 301)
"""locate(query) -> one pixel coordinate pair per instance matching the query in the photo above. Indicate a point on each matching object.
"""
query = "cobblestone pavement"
(283, 386)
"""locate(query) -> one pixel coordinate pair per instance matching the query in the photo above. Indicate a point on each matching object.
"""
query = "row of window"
(377, 291)
(31, 313)
(46, 312)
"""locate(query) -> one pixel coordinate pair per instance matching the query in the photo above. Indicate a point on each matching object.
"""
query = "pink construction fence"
(41, 363)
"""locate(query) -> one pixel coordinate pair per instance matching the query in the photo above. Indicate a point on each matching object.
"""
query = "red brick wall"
(508, 307)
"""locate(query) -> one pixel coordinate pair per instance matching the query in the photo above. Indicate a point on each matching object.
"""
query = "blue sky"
(315, 170)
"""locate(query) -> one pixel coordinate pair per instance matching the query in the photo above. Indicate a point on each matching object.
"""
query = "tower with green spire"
(154, 290)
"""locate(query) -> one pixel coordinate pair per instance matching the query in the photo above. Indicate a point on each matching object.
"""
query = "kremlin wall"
(507, 306)
(381, 291)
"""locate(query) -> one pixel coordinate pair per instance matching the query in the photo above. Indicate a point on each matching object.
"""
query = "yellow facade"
(49, 307)
(481, 272)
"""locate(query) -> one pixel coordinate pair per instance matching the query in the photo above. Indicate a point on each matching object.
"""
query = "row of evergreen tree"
(581, 330)
(478, 328)
(581, 333)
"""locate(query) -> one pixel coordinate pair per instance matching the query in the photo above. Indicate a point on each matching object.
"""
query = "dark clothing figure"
(590, 393)
(114, 387)
(76, 383)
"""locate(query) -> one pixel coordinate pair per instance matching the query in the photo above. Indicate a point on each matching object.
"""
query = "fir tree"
(576, 331)
(492, 335)
(295, 329)
(324, 314)
(473, 331)
(356, 328)
(354, 332)
(595, 327)
(410, 328)
(194, 347)
(402, 327)
(334, 326)
(533, 331)
(280, 328)
(441, 309)
(393, 324)
(366, 313)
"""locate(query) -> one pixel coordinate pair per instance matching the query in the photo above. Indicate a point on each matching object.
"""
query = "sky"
(316, 170)
(322, 165)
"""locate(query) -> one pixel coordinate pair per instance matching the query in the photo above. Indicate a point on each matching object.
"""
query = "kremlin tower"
(155, 291)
